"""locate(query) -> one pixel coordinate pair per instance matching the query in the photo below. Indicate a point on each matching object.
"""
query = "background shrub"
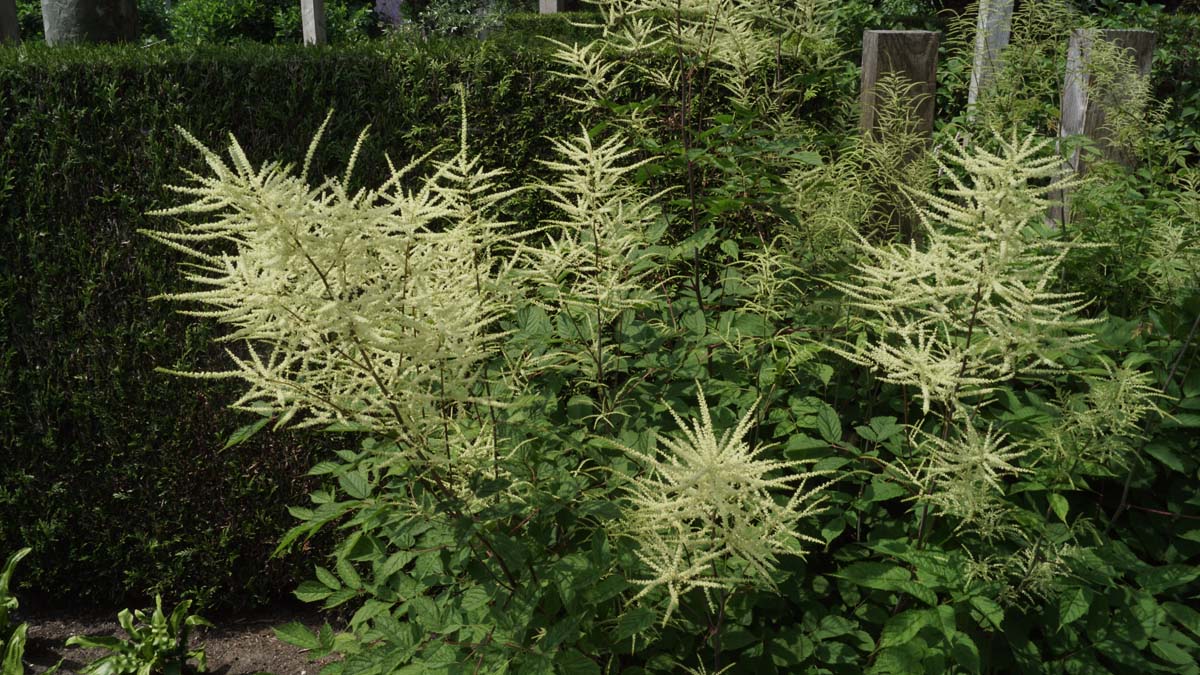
(114, 474)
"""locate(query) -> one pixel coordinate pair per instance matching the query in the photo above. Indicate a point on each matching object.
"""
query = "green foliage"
(12, 637)
(157, 643)
(940, 396)
(115, 473)
(222, 21)
(8, 602)
(930, 432)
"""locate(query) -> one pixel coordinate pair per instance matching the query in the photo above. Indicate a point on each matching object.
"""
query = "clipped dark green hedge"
(113, 473)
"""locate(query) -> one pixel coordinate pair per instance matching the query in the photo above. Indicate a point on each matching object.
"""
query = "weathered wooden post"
(9, 31)
(992, 31)
(312, 17)
(1083, 109)
(556, 6)
(911, 54)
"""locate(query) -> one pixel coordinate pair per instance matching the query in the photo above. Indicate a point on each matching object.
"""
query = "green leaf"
(1072, 605)
(800, 442)
(879, 429)
(297, 634)
(829, 426)
(1162, 578)
(1166, 456)
(348, 574)
(965, 652)
(830, 530)
(572, 662)
(10, 656)
(902, 660)
(990, 610)
(633, 622)
(324, 468)
(311, 591)
(369, 610)
(1183, 419)
(355, 484)
(1060, 506)
(1171, 653)
(881, 576)
(881, 490)
(428, 565)
(245, 433)
(426, 613)
(475, 598)
(1184, 615)
(905, 626)
(395, 562)
(97, 642)
(326, 577)
(918, 591)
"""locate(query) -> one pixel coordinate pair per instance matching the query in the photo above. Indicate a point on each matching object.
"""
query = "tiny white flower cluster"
(973, 307)
(712, 513)
(356, 308)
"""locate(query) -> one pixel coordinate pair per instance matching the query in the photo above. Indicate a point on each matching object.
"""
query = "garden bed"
(241, 644)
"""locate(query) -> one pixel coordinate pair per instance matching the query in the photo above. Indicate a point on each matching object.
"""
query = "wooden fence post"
(312, 16)
(556, 6)
(910, 53)
(9, 31)
(992, 31)
(1083, 112)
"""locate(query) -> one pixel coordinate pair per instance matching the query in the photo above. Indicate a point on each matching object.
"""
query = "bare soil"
(240, 644)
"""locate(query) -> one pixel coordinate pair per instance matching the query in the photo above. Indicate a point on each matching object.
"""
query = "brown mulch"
(240, 644)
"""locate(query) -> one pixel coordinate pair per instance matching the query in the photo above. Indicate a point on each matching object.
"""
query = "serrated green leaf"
(1162, 578)
(474, 598)
(878, 575)
(297, 634)
(990, 610)
(395, 562)
(324, 468)
(355, 484)
(902, 660)
(1059, 505)
(965, 651)
(694, 322)
(245, 433)
(574, 662)
(1171, 653)
(881, 490)
(634, 622)
(326, 577)
(1072, 605)
(369, 610)
(1185, 616)
(348, 574)
(879, 429)
(829, 425)
(311, 591)
(1185, 420)
(831, 529)
(425, 611)
(904, 626)
(427, 565)
(918, 591)
(1166, 456)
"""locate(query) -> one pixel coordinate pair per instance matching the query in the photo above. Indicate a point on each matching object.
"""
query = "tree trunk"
(9, 31)
(75, 21)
